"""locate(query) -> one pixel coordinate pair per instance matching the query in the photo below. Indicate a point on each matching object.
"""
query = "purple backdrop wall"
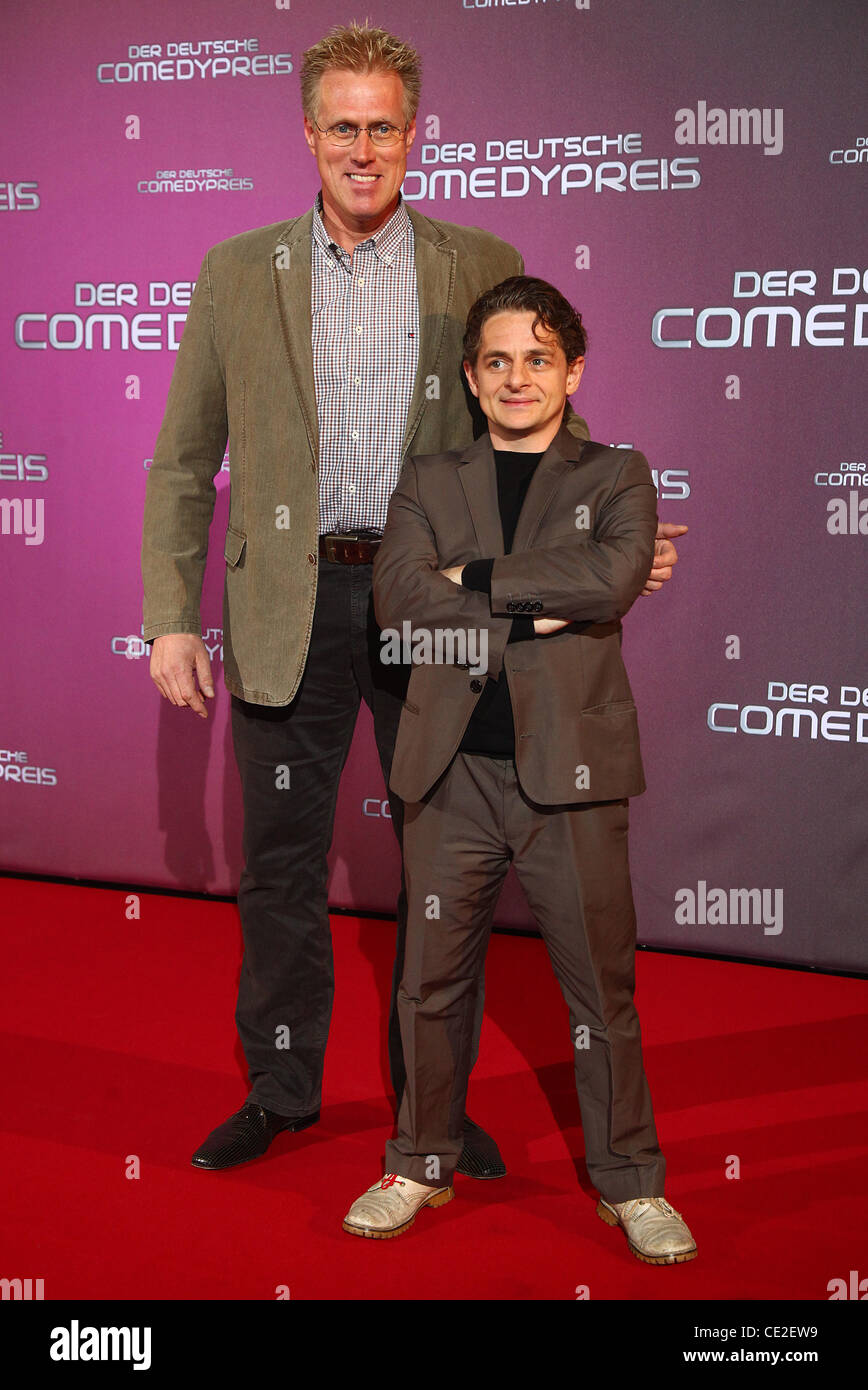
(720, 264)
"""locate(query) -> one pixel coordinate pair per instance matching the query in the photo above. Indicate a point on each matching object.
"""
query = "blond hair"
(359, 48)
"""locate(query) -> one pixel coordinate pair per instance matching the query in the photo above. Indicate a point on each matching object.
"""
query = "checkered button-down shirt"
(365, 338)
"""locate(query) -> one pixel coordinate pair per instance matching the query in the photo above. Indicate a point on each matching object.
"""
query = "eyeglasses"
(381, 134)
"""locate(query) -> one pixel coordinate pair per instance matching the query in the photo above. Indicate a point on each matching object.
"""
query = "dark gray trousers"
(287, 976)
(572, 863)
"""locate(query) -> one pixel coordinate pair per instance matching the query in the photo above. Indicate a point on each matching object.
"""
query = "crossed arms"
(593, 578)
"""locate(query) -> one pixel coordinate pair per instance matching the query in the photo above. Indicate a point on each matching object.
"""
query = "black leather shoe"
(480, 1157)
(246, 1135)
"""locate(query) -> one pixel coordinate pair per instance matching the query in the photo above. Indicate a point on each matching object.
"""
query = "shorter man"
(531, 545)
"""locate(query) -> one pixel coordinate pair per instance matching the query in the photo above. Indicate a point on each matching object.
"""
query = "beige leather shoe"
(389, 1207)
(655, 1231)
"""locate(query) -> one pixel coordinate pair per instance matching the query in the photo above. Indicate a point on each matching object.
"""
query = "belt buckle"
(331, 540)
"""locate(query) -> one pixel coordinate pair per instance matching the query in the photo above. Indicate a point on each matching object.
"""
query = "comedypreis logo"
(195, 181)
(118, 314)
(19, 197)
(550, 165)
(199, 60)
(774, 308)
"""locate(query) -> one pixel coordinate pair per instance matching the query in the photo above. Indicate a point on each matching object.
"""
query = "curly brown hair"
(521, 293)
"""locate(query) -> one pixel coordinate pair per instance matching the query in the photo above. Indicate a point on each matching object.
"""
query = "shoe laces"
(658, 1203)
(389, 1181)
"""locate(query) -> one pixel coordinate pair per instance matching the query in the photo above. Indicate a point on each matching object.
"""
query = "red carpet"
(119, 1041)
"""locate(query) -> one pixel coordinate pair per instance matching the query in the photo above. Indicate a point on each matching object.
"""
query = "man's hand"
(174, 659)
(665, 556)
(454, 573)
(543, 626)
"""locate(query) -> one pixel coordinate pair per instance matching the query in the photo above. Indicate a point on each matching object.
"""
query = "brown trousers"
(572, 863)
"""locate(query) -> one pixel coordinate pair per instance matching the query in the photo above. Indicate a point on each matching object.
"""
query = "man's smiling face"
(521, 380)
(360, 183)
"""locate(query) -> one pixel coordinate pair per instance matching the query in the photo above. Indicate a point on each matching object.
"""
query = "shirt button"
(358, 380)
(358, 328)
(360, 279)
(354, 435)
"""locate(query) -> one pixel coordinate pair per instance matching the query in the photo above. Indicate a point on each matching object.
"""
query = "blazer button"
(311, 559)
(476, 686)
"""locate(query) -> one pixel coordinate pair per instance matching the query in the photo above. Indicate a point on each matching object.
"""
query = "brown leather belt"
(350, 549)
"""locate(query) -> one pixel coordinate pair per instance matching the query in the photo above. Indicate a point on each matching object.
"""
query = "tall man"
(542, 541)
(324, 347)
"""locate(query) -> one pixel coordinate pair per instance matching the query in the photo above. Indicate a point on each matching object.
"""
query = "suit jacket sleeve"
(588, 580)
(179, 501)
(407, 583)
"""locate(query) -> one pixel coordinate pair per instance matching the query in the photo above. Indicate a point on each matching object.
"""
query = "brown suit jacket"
(571, 699)
(245, 371)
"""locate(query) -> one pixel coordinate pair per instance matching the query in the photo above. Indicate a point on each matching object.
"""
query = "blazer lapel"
(561, 455)
(435, 285)
(290, 268)
(479, 481)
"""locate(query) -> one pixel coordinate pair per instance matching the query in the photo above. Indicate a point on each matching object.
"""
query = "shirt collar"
(387, 240)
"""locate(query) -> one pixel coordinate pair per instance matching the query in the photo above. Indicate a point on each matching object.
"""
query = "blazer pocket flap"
(234, 548)
(613, 707)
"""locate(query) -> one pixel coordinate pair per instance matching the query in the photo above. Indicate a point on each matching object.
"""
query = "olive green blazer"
(245, 373)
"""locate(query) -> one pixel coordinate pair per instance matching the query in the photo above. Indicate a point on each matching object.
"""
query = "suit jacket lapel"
(479, 480)
(561, 455)
(435, 284)
(290, 268)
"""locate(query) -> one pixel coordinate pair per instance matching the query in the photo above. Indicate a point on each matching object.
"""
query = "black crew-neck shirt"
(491, 728)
